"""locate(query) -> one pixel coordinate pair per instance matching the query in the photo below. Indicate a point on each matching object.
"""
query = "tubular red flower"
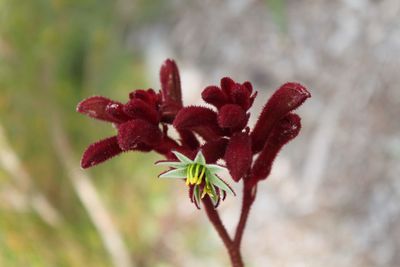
(100, 151)
(138, 109)
(170, 90)
(232, 116)
(188, 139)
(95, 107)
(170, 82)
(284, 130)
(287, 98)
(214, 150)
(201, 120)
(133, 132)
(165, 146)
(238, 155)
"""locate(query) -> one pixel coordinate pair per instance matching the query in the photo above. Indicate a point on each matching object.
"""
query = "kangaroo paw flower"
(200, 177)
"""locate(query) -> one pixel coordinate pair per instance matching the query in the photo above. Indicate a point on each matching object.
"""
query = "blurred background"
(333, 197)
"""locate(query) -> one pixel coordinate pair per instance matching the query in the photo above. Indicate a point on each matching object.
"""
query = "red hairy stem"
(234, 252)
(247, 201)
(214, 218)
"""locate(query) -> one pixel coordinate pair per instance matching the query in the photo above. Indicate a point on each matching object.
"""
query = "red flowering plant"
(206, 135)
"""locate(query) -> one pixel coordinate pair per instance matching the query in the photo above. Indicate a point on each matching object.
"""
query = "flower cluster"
(206, 135)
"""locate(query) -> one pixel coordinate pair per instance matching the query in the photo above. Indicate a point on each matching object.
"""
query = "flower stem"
(233, 249)
(247, 201)
(214, 218)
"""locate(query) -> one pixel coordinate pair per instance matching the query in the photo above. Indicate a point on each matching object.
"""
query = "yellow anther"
(187, 176)
(207, 190)
(204, 193)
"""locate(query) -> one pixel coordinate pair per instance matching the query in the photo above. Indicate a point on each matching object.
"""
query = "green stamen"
(197, 171)
(192, 177)
(203, 170)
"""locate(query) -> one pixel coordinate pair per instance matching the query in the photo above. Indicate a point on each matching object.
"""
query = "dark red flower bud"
(214, 150)
(284, 130)
(227, 85)
(287, 98)
(214, 96)
(170, 83)
(232, 116)
(170, 91)
(133, 132)
(138, 109)
(115, 111)
(201, 120)
(188, 139)
(95, 107)
(100, 151)
(238, 155)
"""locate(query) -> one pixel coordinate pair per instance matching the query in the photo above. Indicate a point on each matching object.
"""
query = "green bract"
(200, 177)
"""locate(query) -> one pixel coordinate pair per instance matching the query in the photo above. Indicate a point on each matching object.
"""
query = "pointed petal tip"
(298, 87)
(200, 158)
(100, 151)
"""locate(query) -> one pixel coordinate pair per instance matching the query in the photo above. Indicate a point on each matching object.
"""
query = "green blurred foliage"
(54, 53)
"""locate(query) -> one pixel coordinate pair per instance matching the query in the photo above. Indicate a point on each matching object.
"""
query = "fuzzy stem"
(213, 216)
(247, 201)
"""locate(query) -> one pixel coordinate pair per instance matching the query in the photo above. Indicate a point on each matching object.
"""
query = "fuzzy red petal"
(133, 132)
(95, 107)
(238, 155)
(100, 151)
(201, 120)
(214, 96)
(232, 116)
(240, 95)
(248, 86)
(287, 98)
(227, 85)
(138, 109)
(285, 130)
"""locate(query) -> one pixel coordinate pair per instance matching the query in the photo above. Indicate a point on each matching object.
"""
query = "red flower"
(142, 124)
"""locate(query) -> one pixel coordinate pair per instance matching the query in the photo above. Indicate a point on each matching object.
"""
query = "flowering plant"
(142, 125)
